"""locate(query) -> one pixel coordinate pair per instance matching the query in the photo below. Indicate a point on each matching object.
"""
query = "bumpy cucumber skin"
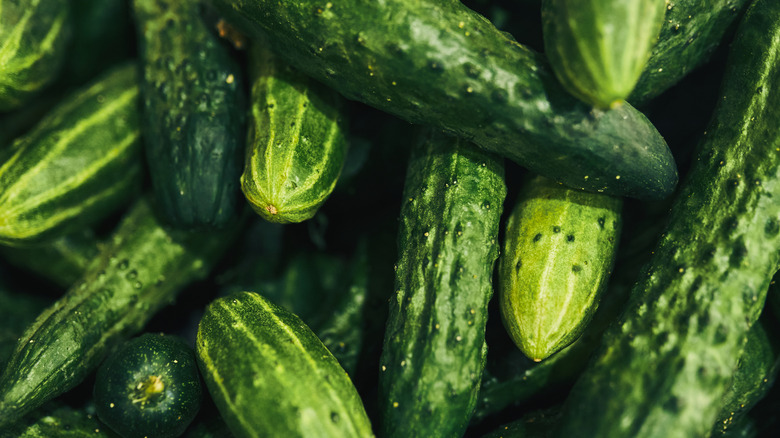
(434, 348)
(139, 271)
(435, 62)
(663, 369)
(60, 422)
(297, 144)
(598, 48)
(193, 114)
(77, 165)
(34, 37)
(559, 248)
(692, 30)
(302, 392)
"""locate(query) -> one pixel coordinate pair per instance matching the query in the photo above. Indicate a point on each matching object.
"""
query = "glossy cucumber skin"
(435, 62)
(297, 141)
(434, 348)
(193, 114)
(140, 270)
(560, 246)
(80, 163)
(663, 368)
(34, 37)
(598, 48)
(303, 393)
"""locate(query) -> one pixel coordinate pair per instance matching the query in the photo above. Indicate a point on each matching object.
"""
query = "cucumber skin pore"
(142, 268)
(439, 63)
(661, 371)
(434, 348)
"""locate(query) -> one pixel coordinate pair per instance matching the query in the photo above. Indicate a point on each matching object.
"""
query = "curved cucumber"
(435, 62)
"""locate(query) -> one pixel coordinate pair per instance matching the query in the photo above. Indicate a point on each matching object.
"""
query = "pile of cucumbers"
(395, 218)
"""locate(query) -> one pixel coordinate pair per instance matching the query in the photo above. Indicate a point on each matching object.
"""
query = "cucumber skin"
(61, 422)
(304, 392)
(139, 271)
(80, 163)
(397, 55)
(193, 114)
(434, 347)
(296, 144)
(661, 371)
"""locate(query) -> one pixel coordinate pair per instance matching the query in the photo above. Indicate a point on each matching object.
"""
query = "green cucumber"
(560, 245)
(150, 387)
(58, 421)
(536, 424)
(34, 37)
(435, 62)
(598, 48)
(303, 391)
(663, 369)
(141, 269)
(434, 349)
(193, 114)
(17, 311)
(81, 162)
(297, 141)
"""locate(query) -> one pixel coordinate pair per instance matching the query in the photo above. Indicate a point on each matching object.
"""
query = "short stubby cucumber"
(436, 62)
(140, 269)
(270, 375)
(560, 245)
(34, 37)
(434, 348)
(193, 114)
(297, 141)
(78, 164)
(663, 368)
(598, 48)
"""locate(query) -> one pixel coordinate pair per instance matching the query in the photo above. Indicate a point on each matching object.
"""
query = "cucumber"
(434, 348)
(193, 114)
(303, 391)
(536, 424)
(81, 162)
(598, 48)
(61, 421)
(297, 141)
(560, 246)
(435, 62)
(150, 387)
(34, 38)
(663, 369)
(17, 311)
(141, 269)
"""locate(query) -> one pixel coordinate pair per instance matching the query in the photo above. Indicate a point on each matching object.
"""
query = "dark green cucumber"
(302, 391)
(297, 144)
(58, 421)
(434, 349)
(149, 387)
(140, 270)
(536, 424)
(81, 162)
(193, 114)
(663, 369)
(438, 63)
(18, 309)
(34, 37)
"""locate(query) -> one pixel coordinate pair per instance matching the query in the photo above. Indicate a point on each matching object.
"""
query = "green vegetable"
(435, 62)
(434, 350)
(58, 421)
(536, 424)
(17, 310)
(303, 391)
(149, 388)
(560, 245)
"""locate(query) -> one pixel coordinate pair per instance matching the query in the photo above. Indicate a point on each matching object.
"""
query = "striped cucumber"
(663, 369)
(140, 270)
(434, 349)
(81, 162)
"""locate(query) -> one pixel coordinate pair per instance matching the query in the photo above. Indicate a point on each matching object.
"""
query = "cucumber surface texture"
(193, 114)
(297, 141)
(55, 421)
(141, 269)
(80, 163)
(560, 246)
(664, 367)
(269, 375)
(436, 62)
(434, 348)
